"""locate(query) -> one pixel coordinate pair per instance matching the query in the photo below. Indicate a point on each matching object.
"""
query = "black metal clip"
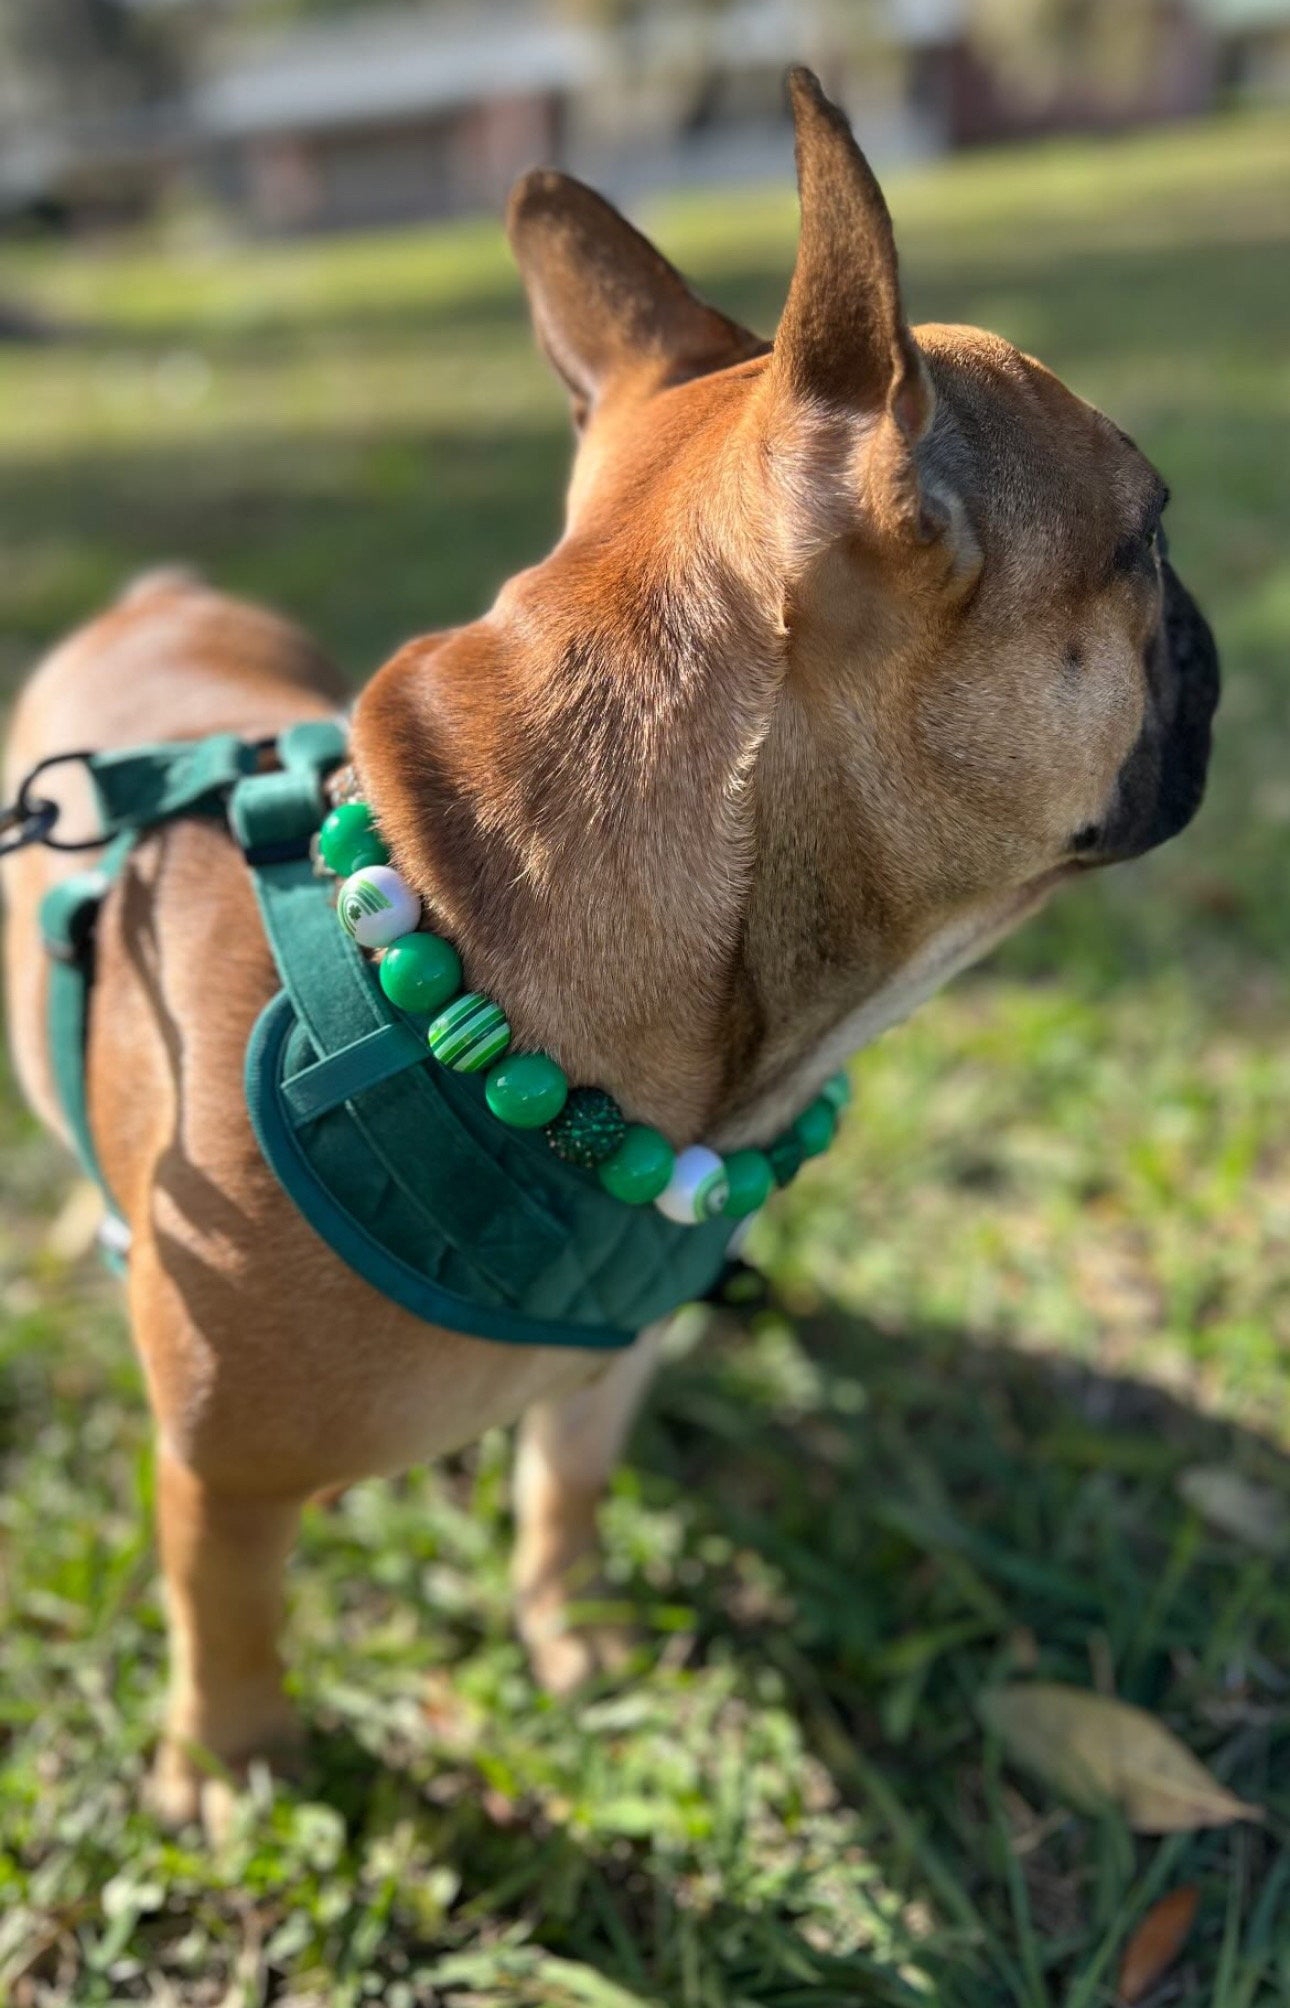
(31, 818)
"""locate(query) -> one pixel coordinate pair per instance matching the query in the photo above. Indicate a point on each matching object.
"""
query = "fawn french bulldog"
(854, 647)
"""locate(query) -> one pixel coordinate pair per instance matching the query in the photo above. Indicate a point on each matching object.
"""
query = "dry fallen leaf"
(1097, 1752)
(1235, 1505)
(1155, 1945)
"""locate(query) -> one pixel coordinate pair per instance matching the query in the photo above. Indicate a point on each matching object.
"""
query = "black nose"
(1162, 782)
(1191, 677)
(1189, 639)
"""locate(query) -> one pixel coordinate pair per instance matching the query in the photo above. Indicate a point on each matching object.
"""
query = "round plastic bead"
(837, 1092)
(420, 972)
(527, 1090)
(376, 906)
(589, 1128)
(640, 1167)
(697, 1188)
(816, 1127)
(348, 840)
(750, 1181)
(469, 1034)
(785, 1156)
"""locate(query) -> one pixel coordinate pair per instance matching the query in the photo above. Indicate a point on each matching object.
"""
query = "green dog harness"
(396, 1162)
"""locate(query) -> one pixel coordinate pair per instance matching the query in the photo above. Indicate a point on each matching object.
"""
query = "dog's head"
(854, 646)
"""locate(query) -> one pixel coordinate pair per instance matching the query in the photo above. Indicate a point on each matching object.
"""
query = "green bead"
(640, 1167)
(348, 840)
(837, 1092)
(419, 972)
(751, 1180)
(589, 1128)
(469, 1034)
(785, 1156)
(528, 1090)
(816, 1127)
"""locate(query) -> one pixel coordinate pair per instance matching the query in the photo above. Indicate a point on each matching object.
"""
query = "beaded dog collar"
(421, 973)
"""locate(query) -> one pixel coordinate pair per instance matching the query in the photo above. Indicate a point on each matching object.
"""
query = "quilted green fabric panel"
(467, 1224)
(416, 1183)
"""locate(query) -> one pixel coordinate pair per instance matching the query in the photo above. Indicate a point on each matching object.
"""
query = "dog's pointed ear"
(843, 343)
(843, 336)
(605, 303)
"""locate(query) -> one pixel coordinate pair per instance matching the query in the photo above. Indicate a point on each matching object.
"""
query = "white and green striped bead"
(377, 905)
(469, 1034)
(697, 1189)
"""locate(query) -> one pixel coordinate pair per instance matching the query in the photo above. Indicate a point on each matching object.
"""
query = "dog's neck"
(611, 803)
(575, 803)
(588, 862)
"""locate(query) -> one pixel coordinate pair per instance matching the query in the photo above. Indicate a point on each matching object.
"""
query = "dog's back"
(171, 659)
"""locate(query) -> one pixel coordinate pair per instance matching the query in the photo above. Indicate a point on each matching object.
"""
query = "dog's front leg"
(567, 1449)
(223, 1557)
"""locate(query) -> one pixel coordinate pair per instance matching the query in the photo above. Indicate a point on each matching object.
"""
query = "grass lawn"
(1047, 1273)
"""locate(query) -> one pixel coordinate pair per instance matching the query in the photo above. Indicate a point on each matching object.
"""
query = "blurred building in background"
(294, 115)
(389, 114)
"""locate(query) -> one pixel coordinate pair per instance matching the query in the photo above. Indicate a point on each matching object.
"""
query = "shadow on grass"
(940, 1514)
(547, 1898)
(366, 536)
(836, 1537)
(1061, 294)
(877, 1526)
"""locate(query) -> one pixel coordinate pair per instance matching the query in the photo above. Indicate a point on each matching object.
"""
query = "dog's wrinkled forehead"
(1058, 492)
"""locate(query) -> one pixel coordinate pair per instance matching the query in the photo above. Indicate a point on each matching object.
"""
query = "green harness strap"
(135, 790)
(395, 1161)
(67, 917)
(141, 786)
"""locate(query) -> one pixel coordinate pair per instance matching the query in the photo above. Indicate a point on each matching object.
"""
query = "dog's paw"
(180, 1792)
(566, 1651)
(187, 1787)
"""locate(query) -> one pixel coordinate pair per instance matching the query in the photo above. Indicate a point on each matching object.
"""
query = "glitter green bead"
(469, 1034)
(589, 1128)
(419, 972)
(526, 1090)
(750, 1179)
(785, 1156)
(348, 840)
(815, 1127)
(640, 1168)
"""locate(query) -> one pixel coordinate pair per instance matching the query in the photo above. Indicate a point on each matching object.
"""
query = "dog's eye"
(1138, 552)
(1141, 548)
(1154, 529)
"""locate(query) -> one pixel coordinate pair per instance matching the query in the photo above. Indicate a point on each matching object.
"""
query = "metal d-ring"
(31, 818)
